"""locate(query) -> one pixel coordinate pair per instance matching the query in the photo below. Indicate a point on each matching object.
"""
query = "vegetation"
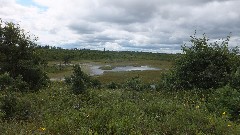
(56, 110)
(191, 98)
(59, 54)
(18, 56)
(205, 65)
(80, 81)
(225, 101)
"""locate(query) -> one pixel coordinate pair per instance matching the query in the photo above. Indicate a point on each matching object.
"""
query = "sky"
(124, 25)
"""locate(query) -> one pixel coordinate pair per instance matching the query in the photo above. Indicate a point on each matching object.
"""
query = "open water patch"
(95, 69)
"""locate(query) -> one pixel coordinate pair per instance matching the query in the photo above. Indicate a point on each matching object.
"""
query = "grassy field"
(55, 110)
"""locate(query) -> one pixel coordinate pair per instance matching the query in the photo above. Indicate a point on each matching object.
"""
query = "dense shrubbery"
(135, 83)
(113, 85)
(18, 56)
(211, 70)
(5, 81)
(13, 107)
(11, 84)
(20, 71)
(235, 80)
(204, 65)
(226, 103)
(56, 110)
(80, 81)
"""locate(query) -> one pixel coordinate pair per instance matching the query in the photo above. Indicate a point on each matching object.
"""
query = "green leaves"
(226, 100)
(18, 56)
(204, 65)
(80, 81)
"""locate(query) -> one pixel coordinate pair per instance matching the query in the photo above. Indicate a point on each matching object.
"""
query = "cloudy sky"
(135, 25)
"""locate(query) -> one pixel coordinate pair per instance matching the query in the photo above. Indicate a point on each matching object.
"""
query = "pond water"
(96, 71)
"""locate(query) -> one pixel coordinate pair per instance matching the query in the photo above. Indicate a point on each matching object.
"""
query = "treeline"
(58, 54)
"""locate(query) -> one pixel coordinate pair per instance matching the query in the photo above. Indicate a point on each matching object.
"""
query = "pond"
(95, 70)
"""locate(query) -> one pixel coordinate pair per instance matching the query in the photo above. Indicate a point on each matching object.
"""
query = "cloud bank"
(134, 25)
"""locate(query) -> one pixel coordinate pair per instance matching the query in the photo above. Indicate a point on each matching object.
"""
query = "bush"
(226, 103)
(203, 65)
(11, 84)
(95, 83)
(235, 80)
(20, 85)
(5, 81)
(80, 81)
(113, 85)
(77, 80)
(18, 56)
(13, 107)
(135, 83)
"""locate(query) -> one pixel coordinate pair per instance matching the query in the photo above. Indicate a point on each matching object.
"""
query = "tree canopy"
(205, 65)
(18, 56)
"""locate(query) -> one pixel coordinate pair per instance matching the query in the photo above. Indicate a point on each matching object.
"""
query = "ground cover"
(55, 110)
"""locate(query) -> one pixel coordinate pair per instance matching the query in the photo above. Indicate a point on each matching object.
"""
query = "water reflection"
(96, 71)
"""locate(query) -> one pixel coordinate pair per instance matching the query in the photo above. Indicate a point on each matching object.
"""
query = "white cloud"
(153, 25)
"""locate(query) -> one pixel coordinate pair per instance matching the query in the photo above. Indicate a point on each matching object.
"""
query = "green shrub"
(13, 107)
(11, 84)
(80, 81)
(95, 83)
(203, 65)
(135, 83)
(235, 80)
(5, 80)
(113, 85)
(77, 80)
(20, 85)
(36, 78)
(55, 110)
(225, 102)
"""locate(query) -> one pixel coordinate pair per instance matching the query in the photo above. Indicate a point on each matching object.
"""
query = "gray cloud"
(153, 25)
(84, 27)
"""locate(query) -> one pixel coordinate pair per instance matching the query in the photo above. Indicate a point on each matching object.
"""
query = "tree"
(204, 65)
(79, 81)
(18, 55)
(67, 59)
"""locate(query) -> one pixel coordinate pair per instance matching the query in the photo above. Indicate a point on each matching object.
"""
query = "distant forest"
(50, 53)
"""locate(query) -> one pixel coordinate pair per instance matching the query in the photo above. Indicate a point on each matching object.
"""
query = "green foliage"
(80, 81)
(113, 85)
(235, 80)
(10, 84)
(56, 110)
(204, 65)
(135, 83)
(18, 56)
(95, 83)
(20, 85)
(226, 103)
(67, 58)
(14, 107)
(5, 80)
(59, 54)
